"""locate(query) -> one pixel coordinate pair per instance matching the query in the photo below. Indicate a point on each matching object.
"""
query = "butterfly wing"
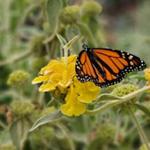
(87, 70)
(106, 66)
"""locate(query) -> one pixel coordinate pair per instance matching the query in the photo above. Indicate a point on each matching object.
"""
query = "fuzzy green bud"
(105, 134)
(90, 8)
(7, 146)
(60, 143)
(144, 147)
(124, 89)
(70, 14)
(18, 78)
(22, 108)
(47, 134)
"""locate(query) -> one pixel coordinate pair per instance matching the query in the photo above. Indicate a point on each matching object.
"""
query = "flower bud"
(104, 134)
(70, 14)
(7, 146)
(144, 147)
(47, 133)
(18, 78)
(22, 108)
(124, 89)
(90, 8)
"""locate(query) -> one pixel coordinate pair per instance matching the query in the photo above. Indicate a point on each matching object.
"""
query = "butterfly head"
(85, 47)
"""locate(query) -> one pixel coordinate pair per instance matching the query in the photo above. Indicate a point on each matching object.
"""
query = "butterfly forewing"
(84, 69)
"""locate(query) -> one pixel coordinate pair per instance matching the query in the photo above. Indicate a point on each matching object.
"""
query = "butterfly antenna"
(85, 46)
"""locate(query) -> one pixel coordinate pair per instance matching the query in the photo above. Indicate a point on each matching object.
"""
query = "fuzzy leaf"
(5, 136)
(19, 132)
(46, 119)
(53, 8)
(144, 109)
(61, 40)
(107, 97)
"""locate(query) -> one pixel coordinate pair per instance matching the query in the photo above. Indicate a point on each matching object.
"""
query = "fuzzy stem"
(16, 58)
(143, 136)
(2, 125)
(85, 30)
(115, 102)
(68, 45)
(66, 134)
(6, 25)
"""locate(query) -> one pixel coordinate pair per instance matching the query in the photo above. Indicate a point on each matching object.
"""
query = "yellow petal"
(47, 87)
(53, 66)
(72, 59)
(87, 92)
(71, 70)
(72, 107)
(55, 78)
(40, 79)
(66, 80)
(58, 73)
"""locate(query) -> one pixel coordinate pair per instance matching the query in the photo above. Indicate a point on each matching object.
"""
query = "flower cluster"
(60, 75)
(22, 108)
(18, 78)
(73, 13)
(124, 89)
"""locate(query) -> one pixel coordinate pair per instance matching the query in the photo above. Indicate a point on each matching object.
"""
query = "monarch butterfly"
(105, 66)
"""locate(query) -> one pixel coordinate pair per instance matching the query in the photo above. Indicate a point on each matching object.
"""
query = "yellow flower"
(58, 73)
(147, 74)
(79, 94)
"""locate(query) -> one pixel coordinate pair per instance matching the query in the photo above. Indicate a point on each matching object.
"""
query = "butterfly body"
(105, 66)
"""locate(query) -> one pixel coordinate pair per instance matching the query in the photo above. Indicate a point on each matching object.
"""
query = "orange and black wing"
(86, 70)
(106, 66)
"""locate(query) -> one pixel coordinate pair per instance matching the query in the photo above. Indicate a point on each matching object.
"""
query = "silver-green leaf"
(107, 97)
(143, 108)
(53, 9)
(52, 117)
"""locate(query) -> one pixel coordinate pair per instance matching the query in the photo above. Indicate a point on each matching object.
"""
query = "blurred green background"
(28, 41)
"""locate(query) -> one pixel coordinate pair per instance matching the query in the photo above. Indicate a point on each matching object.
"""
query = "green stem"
(3, 125)
(85, 30)
(6, 5)
(143, 136)
(40, 99)
(27, 11)
(67, 46)
(16, 58)
(66, 134)
(115, 102)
